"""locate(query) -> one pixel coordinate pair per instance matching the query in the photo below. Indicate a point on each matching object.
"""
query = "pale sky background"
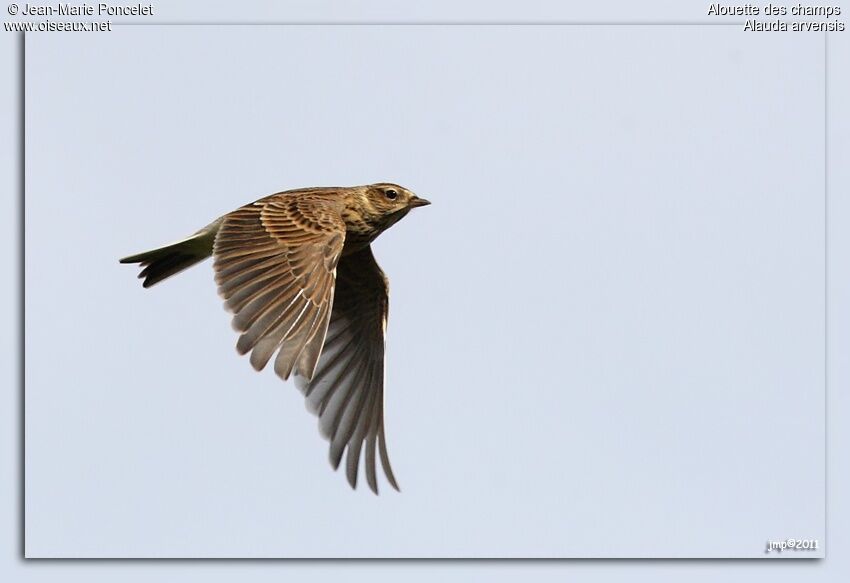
(606, 335)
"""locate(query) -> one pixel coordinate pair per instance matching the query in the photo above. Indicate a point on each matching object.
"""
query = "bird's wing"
(347, 391)
(275, 262)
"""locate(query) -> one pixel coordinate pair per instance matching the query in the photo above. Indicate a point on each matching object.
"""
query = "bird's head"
(388, 203)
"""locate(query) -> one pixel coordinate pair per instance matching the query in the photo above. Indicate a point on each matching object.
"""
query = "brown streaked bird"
(296, 270)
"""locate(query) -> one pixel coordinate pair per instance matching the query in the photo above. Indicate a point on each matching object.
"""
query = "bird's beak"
(416, 201)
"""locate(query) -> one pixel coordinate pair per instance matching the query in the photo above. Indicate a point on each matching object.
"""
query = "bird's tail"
(164, 262)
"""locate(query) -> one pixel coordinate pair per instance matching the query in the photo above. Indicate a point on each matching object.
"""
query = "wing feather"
(275, 263)
(347, 389)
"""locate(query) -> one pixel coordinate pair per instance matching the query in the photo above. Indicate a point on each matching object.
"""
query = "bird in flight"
(296, 270)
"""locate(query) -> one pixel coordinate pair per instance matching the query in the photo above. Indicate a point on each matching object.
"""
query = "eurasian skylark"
(297, 271)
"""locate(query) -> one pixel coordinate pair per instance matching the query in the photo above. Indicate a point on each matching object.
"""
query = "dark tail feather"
(164, 262)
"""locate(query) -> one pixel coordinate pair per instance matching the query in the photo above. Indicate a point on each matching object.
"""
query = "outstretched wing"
(347, 390)
(275, 262)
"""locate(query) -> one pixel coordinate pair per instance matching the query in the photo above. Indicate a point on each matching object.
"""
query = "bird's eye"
(391, 194)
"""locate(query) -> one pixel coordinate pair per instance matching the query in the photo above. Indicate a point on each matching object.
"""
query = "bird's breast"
(358, 232)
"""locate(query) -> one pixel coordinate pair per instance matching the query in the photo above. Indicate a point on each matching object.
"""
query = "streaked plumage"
(296, 270)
